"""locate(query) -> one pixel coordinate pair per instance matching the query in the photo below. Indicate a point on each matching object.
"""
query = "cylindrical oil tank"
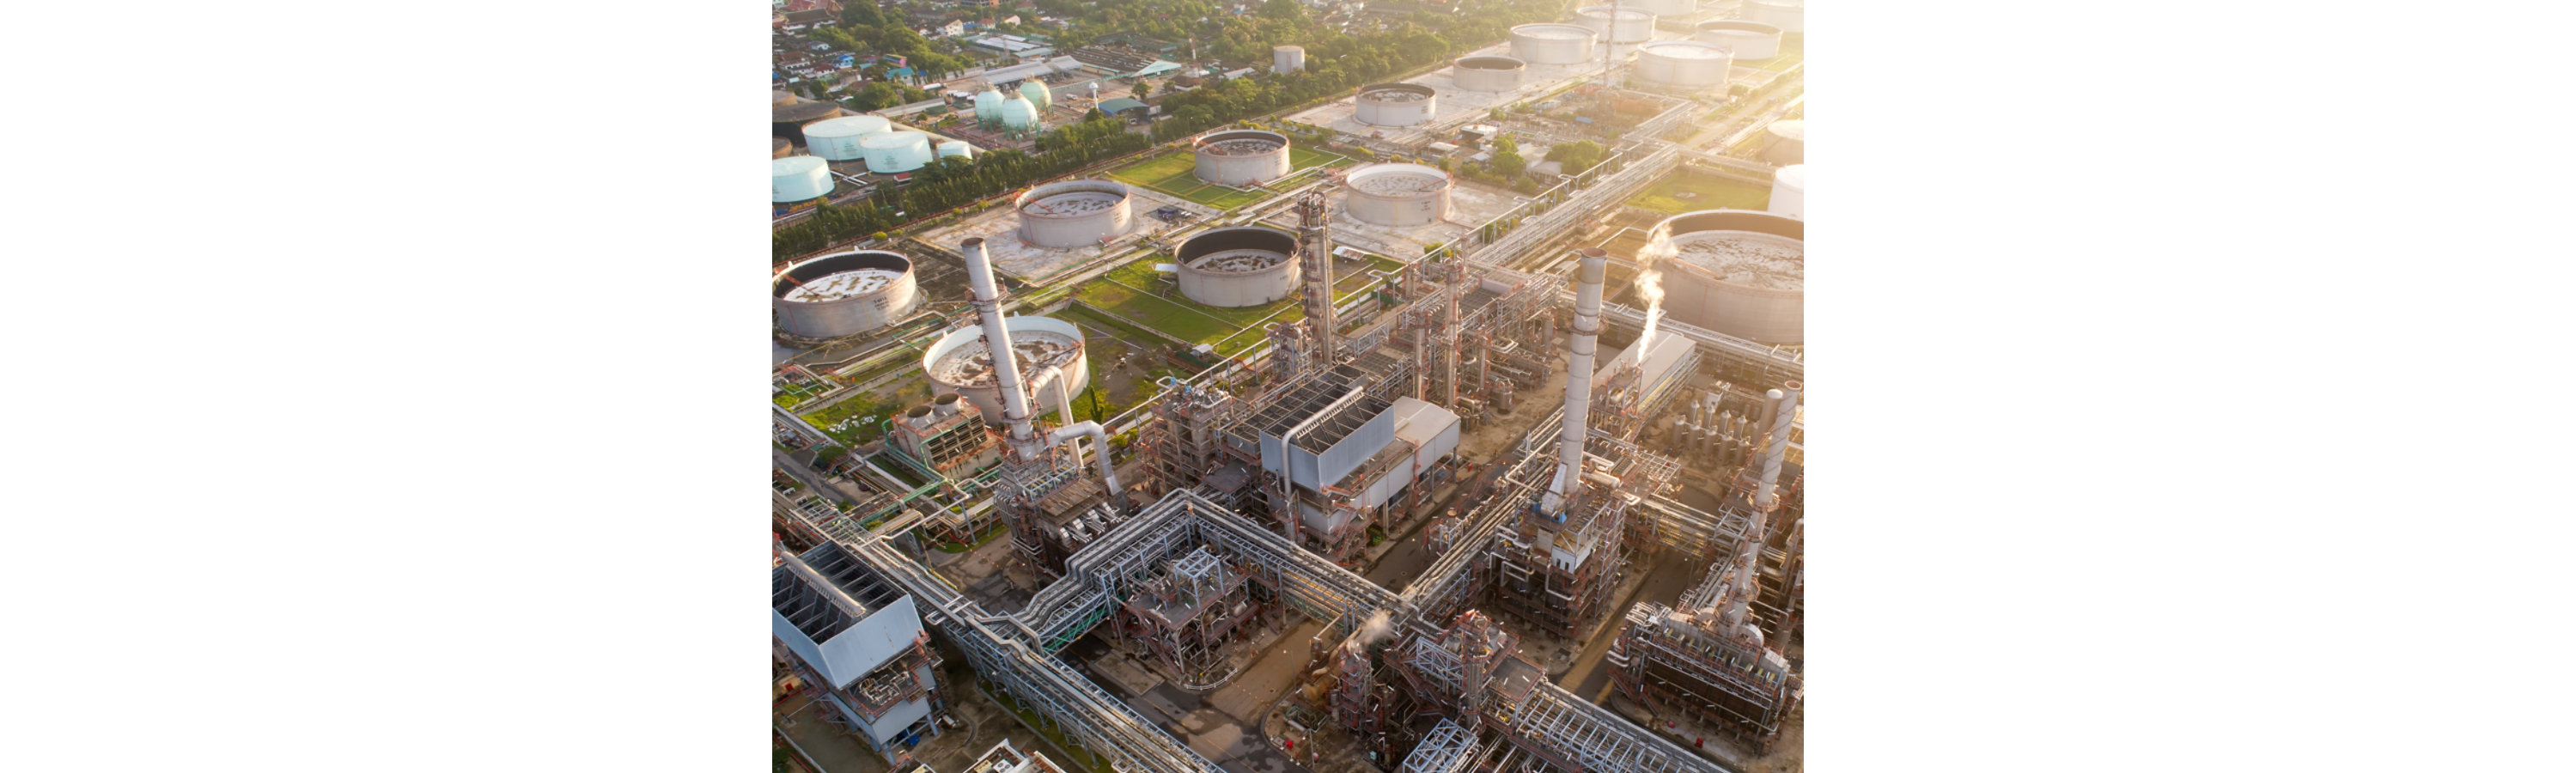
(1738, 272)
(957, 148)
(1750, 40)
(1664, 9)
(1683, 64)
(798, 178)
(988, 107)
(1488, 73)
(789, 121)
(837, 139)
(1397, 194)
(1396, 104)
(1241, 157)
(844, 293)
(1553, 44)
(1788, 142)
(1036, 92)
(893, 152)
(960, 364)
(777, 98)
(1075, 213)
(1788, 15)
(1237, 267)
(1617, 25)
(1789, 192)
(779, 147)
(1287, 59)
(1019, 116)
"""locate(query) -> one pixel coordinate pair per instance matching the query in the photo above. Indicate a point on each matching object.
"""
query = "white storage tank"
(1664, 9)
(1397, 194)
(1238, 267)
(1554, 44)
(957, 148)
(1241, 157)
(1396, 104)
(1750, 40)
(1617, 25)
(1788, 15)
(1787, 142)
(1789, 192)
(1287, 59)
(844, 293)
(960, 363)
(1075, 213)
(1488, 73)
(988, 108)
(798, 178)
(838, 139)
(893, 152)
(1683, 64)
(1019, 116)
(1036, 92)
(1738, 272)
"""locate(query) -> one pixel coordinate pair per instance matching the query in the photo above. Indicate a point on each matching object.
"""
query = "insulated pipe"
(1100, 457)
(1053, 378)
(1784, 412)
(1561, 493)
(997, 339)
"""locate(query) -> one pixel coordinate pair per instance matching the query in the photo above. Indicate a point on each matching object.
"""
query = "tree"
(1143, 89)
(1510, 163)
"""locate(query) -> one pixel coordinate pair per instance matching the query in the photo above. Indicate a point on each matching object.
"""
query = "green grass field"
(1712, 193)
(1174, 172)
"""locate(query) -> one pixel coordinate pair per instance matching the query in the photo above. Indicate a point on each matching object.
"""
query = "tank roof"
(848, 125)
(971, 363)
(833, 287)
(1795, 129)
(802, 111)
(1793, 175)
(1553, 31)
(1745, 258)
(893, 139)
(794, 165)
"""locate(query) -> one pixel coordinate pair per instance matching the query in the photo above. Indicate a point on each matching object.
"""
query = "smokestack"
(1578, 381)
(997, 338)
(1784, 410)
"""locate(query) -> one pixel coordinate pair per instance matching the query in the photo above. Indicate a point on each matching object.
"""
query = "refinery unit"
(1417, 499)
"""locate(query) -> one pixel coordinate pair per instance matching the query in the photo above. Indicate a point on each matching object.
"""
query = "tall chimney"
(997, 338)
(1784, 411)
(1561, 494)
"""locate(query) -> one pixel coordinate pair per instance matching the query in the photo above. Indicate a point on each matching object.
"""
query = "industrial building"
(1075, 213)
(1053, 510)
(1554, 44)
(798, 183)
(1683, 65)
(1240, 157)
(1616, 24)
(945, 436)
(1005, 758)
(1750, 40)
(858, 640)
(1190, 618)
(1238, 266)
(844, 293)
(1737, 272)
(1398, 194)
(1396, 104)
(837, 139)
(1789, 192)
(1488, 73)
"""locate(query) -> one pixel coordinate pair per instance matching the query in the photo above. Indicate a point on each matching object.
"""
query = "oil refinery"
(1453, 421)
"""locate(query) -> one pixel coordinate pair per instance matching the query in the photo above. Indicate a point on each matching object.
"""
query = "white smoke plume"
(1650, 280)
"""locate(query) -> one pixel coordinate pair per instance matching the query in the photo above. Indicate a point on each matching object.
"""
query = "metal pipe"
(1562, 492)
(997, 339)
(1784, 410)
(1054, 379)
(1099, 438)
